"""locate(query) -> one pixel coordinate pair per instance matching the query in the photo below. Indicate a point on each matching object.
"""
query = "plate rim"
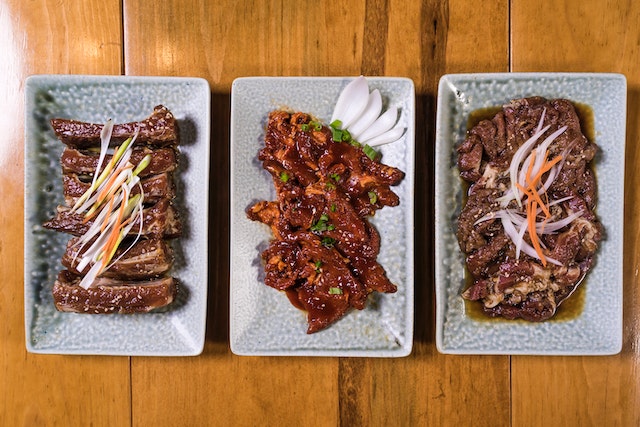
(39, 81)
(407, 347)
(441, 290)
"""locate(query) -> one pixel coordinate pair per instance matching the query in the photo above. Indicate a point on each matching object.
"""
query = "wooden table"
(224, 39)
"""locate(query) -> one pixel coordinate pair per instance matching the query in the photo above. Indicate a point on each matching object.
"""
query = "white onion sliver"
(91, 276)
(517, 159)
(541, 150)
(105, 138)
(551, 227)
(520, 240)
(381, 125)
(389, 136)
(351, 102)
(544, 112)
(368, 116)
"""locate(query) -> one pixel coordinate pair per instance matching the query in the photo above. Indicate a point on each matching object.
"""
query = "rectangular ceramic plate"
(176, 331)
(263, 321)
(597, 329)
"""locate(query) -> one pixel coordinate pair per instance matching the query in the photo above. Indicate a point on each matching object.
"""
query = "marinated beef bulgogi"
(138, 252)
(324, 250)
(528, 228)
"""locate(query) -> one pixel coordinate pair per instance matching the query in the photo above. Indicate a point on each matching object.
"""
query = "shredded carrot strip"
(106, 220)
(115, 233)
(533, 235)
(108, 188)
(534, 200)
(533, 160)
(545, 168)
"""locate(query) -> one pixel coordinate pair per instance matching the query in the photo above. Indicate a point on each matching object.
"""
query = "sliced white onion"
(544, 113)
(517, 159)
(541, 150)
(381, 125)
(513, 234)
(105, 138)
(368, 116)
(359, 113)
(520, 239)
(551, 227)
(351, 102)
(91, 276)
(389, 136)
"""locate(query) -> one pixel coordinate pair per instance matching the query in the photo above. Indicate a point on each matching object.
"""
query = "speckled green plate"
(176, 331)
(262, 320)
(597, 328)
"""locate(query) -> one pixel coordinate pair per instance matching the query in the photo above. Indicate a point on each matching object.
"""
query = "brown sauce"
(487, 113)
(572, 307)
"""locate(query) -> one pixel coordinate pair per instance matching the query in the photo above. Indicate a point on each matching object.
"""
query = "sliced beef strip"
(85, 162)
(144, 259)
(155, 187)
(110, 296)
(160, 220)
(159, 129)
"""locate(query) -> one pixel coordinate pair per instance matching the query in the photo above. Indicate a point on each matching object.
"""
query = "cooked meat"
(527, 286)
(154, 187)
(85, 162)
(159, 221)
(324, 252)
(144, 260)
(109, 296)
(136, 278)
(159, 129)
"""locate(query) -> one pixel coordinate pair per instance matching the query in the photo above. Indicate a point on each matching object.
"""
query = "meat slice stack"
(138, 278)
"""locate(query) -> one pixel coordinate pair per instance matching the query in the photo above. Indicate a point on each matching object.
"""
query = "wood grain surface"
(223, 40)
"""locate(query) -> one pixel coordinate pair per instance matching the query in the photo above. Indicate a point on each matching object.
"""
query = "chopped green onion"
(328, 242)
(335, 291)
(336, 124)
(370, 152)
(336, 134)
(318, 264)
(373, 197)
(304, 127)
(316, 125)
(284, 176)
(322, 224)
(335, 177)
(330, 186)
(333, 207)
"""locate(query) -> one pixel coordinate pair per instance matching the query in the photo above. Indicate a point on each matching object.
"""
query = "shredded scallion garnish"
(112, 207)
